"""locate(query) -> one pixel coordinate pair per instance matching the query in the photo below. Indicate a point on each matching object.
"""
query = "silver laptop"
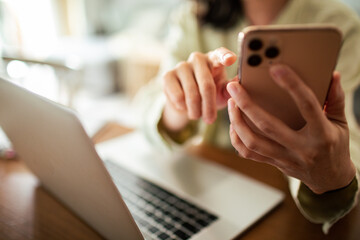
(131, 192)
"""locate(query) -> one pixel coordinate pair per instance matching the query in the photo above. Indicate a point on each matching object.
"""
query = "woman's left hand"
(318, 154)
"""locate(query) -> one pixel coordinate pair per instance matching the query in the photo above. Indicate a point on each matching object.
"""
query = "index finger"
(222, 57)
(303, 96)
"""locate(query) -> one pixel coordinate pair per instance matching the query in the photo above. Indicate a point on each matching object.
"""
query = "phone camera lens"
(255, 44)
(272, 52)
(254, 60)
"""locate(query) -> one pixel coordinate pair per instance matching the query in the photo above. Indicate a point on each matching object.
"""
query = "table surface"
(29, 212)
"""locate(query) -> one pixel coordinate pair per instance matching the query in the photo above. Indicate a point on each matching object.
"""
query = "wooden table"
(27, 211)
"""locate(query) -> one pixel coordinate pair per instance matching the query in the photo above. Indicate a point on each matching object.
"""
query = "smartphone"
(310, 50)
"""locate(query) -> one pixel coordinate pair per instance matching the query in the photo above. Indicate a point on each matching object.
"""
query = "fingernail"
(226, 57)
(278, 71)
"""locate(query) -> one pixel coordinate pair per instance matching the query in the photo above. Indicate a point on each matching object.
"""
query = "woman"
(199, 81)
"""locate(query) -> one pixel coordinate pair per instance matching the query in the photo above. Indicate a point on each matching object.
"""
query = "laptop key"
(190, 227)
(163, 236)
(168, 226)
(182, 235)
(153, 229)
(202, 222)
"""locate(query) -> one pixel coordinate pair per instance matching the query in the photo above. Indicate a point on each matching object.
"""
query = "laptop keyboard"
(159, 213)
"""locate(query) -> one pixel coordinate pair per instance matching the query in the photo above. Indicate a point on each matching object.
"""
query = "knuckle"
(194, 98)
(235, 122)
(208, 87)
(178, 97)
(175, 98)
(308, 156)
(235, 140)
(291, 82)
(327, 142)
(243, 104)
(196, 56)
(308, 104)
(194, 114)
(182, 65)
(266, 127)
(293, 86)
(240, 148)
(251, 144)
(167, 91)
(168, 76)
(246, 154)
(323, 132)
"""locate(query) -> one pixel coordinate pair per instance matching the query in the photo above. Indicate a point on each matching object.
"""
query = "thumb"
(335, 105)
(225, 94)
(222, 94)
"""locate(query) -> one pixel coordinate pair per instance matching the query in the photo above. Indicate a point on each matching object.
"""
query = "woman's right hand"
(196, 88)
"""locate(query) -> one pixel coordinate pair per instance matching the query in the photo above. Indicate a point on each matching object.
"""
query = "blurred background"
(85, 54)
(91, 55)
(102, 40)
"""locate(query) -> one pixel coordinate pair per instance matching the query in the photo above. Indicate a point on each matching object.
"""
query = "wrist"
(173, 120)
(336, 189)
(179, 136)
(339, 180)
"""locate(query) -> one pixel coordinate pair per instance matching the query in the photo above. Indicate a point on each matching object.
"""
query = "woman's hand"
(196, 88)
(318, 154)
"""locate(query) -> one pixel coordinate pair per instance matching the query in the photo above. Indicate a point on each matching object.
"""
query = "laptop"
(124, 188)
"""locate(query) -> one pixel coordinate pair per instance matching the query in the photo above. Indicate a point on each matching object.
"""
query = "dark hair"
(222, 14)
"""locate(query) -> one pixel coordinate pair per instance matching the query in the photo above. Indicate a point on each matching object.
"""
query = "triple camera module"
(256, 59)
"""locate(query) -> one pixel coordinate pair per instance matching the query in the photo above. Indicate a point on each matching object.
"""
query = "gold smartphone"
(310, 50)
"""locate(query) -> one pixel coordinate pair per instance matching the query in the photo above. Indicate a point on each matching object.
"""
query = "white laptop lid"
(52, 142)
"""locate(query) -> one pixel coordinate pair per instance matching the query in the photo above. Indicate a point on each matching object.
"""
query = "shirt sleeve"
(326, 208)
